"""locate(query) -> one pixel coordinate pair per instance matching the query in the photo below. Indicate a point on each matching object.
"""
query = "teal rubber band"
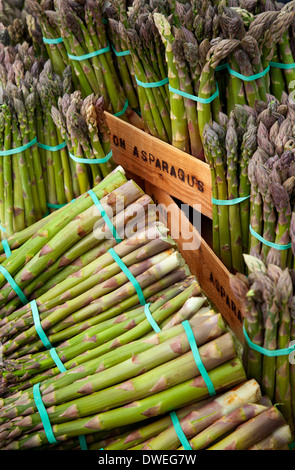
(197, 357)
(267, 352)
(2, 229)
(4, 153)
(38, 326)
(52, 41)
(246, 78)
(221, 67)
(6, 247)
(153, 84)
(130, 276)
(55, 206)
(178, 429)
(83, 443)
(193, 97)
(292, 445)
(266, 242)
(277, 65)
(120, 113)
(91, 54)
(150, 318)
(120, 53)
(43, 414)
(229, 202)
(57, 360)
(93, 161)
(14, 285)
(52, 149)
(104, 215)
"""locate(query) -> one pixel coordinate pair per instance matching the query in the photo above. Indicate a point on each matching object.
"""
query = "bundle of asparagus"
(88, 308)
(83, 126)
(228, 147)
(45, 18)
(268, 298)
(235, 420)
(152, 380)
(271, 174)
(136, 29)
(31, 146)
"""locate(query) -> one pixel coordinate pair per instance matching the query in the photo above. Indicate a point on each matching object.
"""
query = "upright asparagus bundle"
(82, 125)
(271, 174)
(267, 295)
(228, 148)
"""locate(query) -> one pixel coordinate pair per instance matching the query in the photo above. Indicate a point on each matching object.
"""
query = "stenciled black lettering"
(173, 172)
(165, 166)
(122, 144)
(135, 152)
(191, 184)
(144, 156)
(116, 140)
(222, 291)
(200, 186)
(181, 174)
(158, 164)
(151, 158)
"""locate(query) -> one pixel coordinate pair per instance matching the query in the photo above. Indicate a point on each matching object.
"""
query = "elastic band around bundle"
(38, 326)
(129, 275)
(43, 414)
(104, 215)
(268, 243)
(4, 153)
(120, 53)
(52, 148)
(178, 429)
(52, 41)
(3, 229)
(245, 78)
(277, 65)
(120, 113)
(193, 345)
(229, 202)
(92, 161)
(90, 54)
(151, 319)
(195, 98)
(165, 81)
(6, 248)
(268, 352)
(14, 285)
(55, 206)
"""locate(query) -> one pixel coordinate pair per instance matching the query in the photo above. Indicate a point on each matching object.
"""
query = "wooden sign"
(210, 272)
(176, 172)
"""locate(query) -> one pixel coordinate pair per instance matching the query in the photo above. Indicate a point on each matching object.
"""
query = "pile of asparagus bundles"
(239, 419)
(39, 108)
(88, 308)
(268, 298)
(271, 175)
(84, 44)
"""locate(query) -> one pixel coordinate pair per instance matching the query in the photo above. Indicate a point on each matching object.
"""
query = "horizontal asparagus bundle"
(268, 298)
(103, 388)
